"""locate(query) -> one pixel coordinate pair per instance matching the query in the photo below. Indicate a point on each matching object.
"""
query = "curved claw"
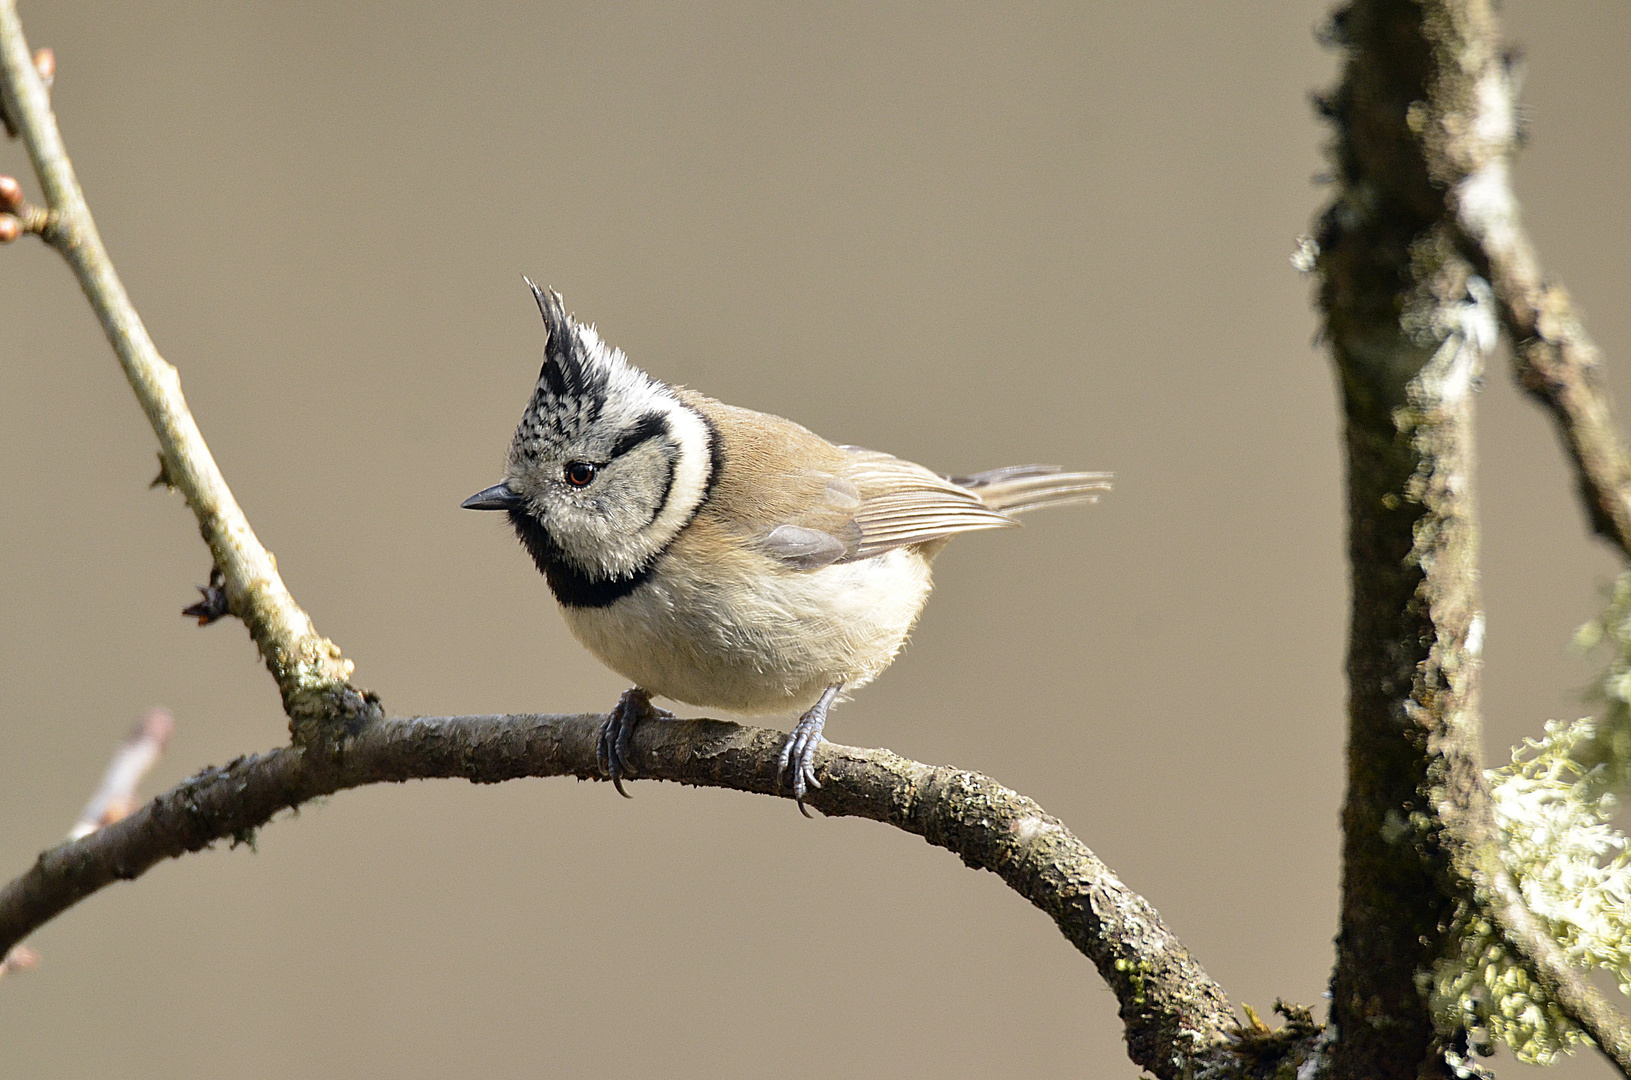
(612, 749)
(611, 762)
(798, 752)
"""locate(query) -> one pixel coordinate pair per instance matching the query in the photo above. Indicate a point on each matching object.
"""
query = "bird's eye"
(579, 473)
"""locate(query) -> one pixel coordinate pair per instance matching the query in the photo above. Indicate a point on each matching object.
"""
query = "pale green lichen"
(1574, 870)
(1555, 805)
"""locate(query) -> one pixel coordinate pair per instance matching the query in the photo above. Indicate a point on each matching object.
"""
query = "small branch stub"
(18, 215)
(20, 958)
(115, 796)
(213, 605)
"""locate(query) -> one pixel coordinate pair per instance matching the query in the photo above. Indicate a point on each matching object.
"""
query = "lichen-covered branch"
(1530, 941)
(310, 672)
(1411, 325)
(1554, 358)
(1174, 1013)
(1393, 291)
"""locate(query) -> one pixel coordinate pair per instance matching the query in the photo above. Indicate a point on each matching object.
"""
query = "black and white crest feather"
(567, 371)
(584, 385)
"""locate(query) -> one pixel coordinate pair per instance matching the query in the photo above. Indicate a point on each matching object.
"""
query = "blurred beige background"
(970, 237)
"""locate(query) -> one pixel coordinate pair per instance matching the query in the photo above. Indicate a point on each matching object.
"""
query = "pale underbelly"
(771, 649)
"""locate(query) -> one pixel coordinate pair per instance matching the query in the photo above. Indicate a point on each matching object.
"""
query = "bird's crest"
(582, 378)
(565, 357)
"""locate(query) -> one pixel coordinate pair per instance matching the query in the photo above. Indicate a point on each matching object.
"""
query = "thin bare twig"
(310, 672)
(115, 796)
(1174, 1013)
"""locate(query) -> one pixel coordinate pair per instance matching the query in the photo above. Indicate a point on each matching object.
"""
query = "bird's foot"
(798, 752)
(613, 749)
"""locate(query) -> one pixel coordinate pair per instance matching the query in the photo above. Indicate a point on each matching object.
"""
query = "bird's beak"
(497, 497)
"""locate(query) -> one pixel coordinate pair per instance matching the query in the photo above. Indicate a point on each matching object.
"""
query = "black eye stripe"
(649, 426)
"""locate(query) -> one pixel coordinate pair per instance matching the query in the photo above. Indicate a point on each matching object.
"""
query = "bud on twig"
(10, 228)
(45, 62)
(11, 193)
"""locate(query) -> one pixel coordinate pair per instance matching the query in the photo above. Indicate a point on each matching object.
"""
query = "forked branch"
(1424, 134)
(1176, 1018)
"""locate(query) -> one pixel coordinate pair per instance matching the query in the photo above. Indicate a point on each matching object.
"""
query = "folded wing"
(880, 502)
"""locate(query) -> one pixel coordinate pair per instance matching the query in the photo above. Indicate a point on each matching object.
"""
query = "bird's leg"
(799, 750)
(613, 750)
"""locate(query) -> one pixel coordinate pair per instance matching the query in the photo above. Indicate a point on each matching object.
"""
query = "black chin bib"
(571, 586)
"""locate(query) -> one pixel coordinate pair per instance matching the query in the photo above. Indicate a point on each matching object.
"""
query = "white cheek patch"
(622, 553)
(692, 466)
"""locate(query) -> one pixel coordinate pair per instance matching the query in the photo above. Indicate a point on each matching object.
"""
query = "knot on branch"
(325, 715)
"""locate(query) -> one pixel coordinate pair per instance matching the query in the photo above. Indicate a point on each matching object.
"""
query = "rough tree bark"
(1405, 336)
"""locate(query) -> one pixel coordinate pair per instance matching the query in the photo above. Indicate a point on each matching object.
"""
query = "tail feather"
(1019, 488)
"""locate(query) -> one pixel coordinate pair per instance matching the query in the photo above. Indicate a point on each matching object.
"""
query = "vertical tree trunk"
(1409, 326)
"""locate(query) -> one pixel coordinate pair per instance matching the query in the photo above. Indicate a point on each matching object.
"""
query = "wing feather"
(1019, 488)
(904, 504)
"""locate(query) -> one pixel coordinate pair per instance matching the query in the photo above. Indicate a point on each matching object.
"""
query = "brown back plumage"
(809, 503)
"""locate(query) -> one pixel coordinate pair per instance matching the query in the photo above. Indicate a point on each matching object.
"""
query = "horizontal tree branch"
(310, 672)
(1173, 1012)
